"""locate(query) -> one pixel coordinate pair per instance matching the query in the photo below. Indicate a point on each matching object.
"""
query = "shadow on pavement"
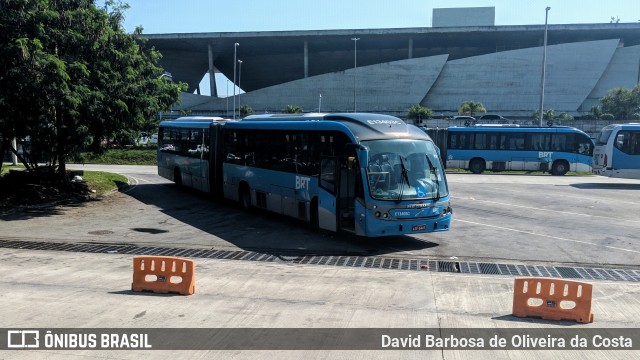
(260, 230)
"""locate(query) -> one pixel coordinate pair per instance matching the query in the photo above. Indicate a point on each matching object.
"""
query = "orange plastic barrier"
(164, 274)
(552, 299)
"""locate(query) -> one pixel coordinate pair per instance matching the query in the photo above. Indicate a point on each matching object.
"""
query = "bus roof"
(524, 129)
(363, 126)
(622, 126)
(193, 121)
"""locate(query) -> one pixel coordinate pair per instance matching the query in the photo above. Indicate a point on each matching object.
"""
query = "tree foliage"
(471, 107)
(71, 76)
(292, 109)
(419, 112)
(622, 103)
(246, 110)
(548, 114)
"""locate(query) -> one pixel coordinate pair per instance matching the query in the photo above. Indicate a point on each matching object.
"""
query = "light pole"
(320, 102)
(355, 65)
(227, 96)
(239, 75)
(544, 65)
(168, 76)
(235, 47)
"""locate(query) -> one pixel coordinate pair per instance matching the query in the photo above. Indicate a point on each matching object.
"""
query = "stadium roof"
(276, 57)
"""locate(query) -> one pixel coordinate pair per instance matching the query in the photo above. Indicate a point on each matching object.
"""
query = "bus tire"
(313, 214)
(559, 167)
(477, 165)
(244, 197)
(177, 177)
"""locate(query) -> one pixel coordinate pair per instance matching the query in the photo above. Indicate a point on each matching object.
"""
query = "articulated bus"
(367, 174)
(186, 152)
(510, 147)
(617, 152)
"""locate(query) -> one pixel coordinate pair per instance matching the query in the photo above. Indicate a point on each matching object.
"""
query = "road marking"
(133, 182)
(556, 211)
(548, 236)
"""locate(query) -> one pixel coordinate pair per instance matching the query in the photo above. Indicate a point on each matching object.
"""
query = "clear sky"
(186, 16)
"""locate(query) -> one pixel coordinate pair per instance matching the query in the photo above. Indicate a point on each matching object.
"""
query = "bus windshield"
(603, 138)
(405, 170)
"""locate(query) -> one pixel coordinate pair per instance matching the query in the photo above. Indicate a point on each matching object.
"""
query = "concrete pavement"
(54, 289)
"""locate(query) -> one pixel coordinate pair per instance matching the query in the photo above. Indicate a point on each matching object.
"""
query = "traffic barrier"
(552, 299)
(163, 274)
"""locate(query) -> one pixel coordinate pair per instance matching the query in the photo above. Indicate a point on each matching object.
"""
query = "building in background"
(462, 57)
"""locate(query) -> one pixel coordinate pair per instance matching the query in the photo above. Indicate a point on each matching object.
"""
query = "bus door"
(348, 180)
(327, 193)
(339, 179)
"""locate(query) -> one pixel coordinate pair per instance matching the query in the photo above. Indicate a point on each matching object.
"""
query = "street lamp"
(239, 75)
(226, 94)
(235, 47)
(544, 65)
(355, 65)
(168, 76)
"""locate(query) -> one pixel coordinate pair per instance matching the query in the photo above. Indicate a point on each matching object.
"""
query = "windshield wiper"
(404, 175)
(434, 171)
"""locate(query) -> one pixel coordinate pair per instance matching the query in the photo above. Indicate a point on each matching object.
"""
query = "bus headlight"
(385, 215)
(377, 214)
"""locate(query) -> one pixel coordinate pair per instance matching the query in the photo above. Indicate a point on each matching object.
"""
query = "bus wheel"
(477, 165)
(559, 168)
(245, 197)
(177, 177)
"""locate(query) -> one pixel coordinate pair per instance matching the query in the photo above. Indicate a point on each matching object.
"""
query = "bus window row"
(628, 141)
(530, 141)
(290, 151)
(184, 141)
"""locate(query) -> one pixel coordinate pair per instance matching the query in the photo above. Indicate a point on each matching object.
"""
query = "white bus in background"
(617, 151)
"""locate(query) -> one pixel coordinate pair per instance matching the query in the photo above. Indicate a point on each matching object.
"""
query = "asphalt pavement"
(69, 289)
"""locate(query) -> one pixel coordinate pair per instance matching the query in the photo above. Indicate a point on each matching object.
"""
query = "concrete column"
(306, 59)
(410, 48)
(212, 74)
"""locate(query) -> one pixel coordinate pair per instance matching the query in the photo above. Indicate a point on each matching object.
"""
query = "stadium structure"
(463, 56)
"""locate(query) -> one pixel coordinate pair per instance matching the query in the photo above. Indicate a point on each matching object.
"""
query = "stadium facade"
(390, 70)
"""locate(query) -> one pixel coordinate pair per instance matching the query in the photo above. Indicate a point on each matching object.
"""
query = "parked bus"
(510, 147)
(367, 174)
(617, 151)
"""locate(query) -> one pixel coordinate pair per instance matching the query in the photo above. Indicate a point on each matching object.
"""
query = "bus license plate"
(418, 227)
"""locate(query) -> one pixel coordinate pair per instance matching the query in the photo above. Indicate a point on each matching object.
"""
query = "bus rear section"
(366, 174)
(186, 152)
(617, 151)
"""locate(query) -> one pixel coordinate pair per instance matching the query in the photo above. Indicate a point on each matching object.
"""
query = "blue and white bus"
(510, 147)
(617, 152)
(367, 174)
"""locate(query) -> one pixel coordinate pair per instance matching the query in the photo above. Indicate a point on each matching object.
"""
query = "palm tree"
(471, 107)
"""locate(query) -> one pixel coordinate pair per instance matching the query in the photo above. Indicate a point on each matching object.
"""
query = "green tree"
(419, 112)
(292, 109)
(471, 107)
(548, 114)
(71, 75)
(564, 116)
(246, 110)
(622, 103)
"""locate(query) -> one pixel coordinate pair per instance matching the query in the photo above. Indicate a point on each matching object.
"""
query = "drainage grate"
(349, 261)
